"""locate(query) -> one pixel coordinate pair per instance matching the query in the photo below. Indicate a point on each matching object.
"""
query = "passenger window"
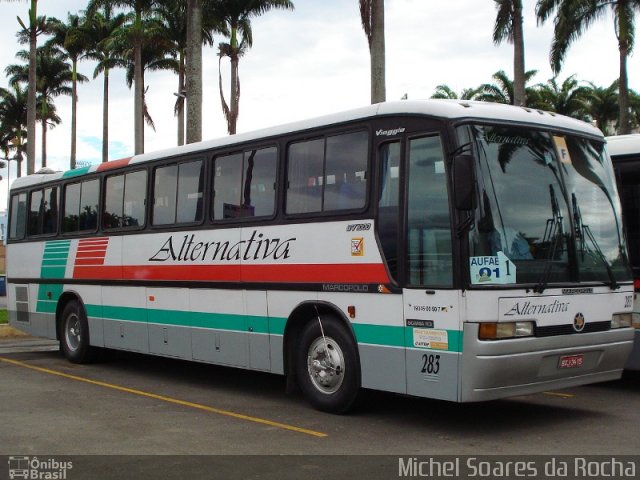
(43, 212)
(346, 167)
(81, 206)
(305, 177)
(178, 192)
(227, 181)
(17, 226)
(244, 184)
(125, 200)
(50, 211)
(35, 212)
(328, 174)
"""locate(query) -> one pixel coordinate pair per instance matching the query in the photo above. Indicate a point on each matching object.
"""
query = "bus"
(443, 249)
(625, 155)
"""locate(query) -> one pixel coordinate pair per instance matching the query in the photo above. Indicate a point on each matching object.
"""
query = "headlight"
(621, 320)
(635, 320)
(498, 331)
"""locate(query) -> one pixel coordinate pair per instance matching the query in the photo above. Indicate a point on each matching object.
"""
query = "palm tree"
(72, 39)
(193, 72)
(603, 106)
(13, 123)
(372, 16)
(156, 55)
(567, 99)
(37, 26)
(138, 37)
(174, 15)
(509, 27)
(573, 17)
(102, 26)
(445, 92)
(236, 15)
(502, 90)
(54, 79)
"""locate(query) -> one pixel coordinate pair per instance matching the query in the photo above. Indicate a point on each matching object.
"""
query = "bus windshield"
(548, 210)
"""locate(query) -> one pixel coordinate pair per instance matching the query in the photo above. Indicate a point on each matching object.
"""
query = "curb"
(7, 331)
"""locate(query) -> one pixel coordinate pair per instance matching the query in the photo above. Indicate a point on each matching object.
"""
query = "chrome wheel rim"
(325, 362)
(72, 332)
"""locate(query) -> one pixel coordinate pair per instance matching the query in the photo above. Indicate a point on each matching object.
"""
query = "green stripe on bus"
(75, 173)
(384, 335)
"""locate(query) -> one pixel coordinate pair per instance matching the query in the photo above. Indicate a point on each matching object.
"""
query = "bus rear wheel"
(74, 334)
(327, 366)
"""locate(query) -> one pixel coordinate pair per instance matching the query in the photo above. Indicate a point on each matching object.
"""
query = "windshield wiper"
(583, 232)
(552, 236)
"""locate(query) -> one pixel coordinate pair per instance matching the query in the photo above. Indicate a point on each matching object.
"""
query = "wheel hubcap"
(72, 332)
(325, 362)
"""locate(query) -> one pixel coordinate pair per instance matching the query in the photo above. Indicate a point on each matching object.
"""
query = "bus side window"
(17, 226)
(389, 204)
(227, 179)
(346, 166)
(89, 199)
(178, 192)
(190, 192)
(258, 184)
(124, 200)
(36, 208)
(305, 176)
(50, 211)
(71, 208)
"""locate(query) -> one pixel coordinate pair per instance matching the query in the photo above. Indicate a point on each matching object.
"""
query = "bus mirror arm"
(463, 182)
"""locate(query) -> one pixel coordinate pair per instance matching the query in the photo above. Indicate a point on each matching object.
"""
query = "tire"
(74, 334)
(328, 389)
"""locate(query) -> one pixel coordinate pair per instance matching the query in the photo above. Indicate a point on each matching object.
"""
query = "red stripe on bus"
(122, 162)
(91, 253)
(316, 273)
(89, 261)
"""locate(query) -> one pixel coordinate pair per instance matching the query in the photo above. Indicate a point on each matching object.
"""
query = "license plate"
(571, 361)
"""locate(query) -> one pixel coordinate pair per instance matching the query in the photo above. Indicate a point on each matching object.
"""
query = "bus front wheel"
(74, 334)
(327, 365)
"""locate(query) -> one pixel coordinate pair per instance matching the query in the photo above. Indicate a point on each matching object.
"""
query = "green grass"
(4, 317)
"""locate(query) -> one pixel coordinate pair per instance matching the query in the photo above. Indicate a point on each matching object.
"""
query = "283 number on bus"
(430, 364)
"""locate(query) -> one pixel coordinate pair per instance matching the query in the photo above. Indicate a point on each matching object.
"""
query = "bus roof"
(624, 144)
(448, 109)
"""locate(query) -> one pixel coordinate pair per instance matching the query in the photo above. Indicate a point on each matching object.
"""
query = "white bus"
(452, 250)
(625, 155)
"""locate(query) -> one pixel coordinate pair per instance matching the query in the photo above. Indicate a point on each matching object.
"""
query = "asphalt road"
(142, 405)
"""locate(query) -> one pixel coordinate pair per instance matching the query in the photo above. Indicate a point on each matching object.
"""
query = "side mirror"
(463, 182)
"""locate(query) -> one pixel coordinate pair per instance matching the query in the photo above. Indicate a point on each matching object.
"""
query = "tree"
(502, 90)
(137, 35)
(102, 27)
(71, 38)
(37, 26)
(187, 39)
(445, 92)
(156, 55)
(54, 78)
(13, 123)
(372, 16)
(567, 99)
(193, 72)
(573, 17)
(509, 27)
(236, 15)
(603, 106)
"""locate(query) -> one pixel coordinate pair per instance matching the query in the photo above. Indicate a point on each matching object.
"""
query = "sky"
(313, 61)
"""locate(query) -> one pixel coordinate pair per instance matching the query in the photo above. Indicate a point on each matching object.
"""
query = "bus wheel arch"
(318, 328)
(72, 329)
